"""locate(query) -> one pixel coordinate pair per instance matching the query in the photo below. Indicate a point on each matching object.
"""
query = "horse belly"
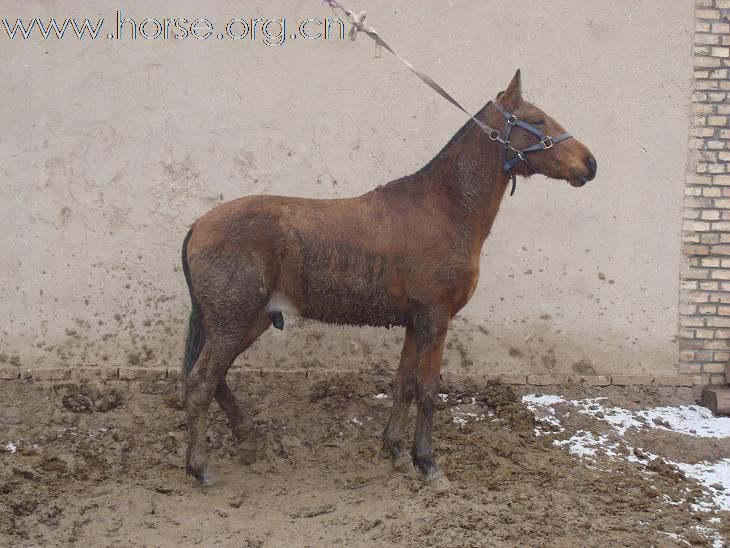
(338, 302)
(344, 284)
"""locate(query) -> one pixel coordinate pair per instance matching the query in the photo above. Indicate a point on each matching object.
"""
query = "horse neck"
(470, 181)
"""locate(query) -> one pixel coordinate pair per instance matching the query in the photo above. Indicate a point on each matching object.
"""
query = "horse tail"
(196, 335)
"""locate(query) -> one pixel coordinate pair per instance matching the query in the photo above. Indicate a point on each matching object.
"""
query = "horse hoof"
(204, 477)
(402, 464)
(438, 481)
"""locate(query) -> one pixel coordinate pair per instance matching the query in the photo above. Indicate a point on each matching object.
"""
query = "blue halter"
(545, 143)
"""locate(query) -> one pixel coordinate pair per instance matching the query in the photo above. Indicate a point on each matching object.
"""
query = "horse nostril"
(592, 164)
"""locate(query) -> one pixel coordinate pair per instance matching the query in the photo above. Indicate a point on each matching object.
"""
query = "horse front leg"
(430, 348)
(405, 389)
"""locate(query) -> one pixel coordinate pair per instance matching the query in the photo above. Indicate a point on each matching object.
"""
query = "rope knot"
(357, 23)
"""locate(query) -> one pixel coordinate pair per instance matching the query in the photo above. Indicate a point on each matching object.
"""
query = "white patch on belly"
(279, 303)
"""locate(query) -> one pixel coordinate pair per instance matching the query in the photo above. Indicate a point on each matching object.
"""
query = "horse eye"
(538, 122)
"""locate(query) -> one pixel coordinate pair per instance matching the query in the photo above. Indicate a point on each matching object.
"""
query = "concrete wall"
(111, 148)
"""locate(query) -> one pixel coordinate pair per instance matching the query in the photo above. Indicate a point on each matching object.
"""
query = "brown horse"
(405, 254)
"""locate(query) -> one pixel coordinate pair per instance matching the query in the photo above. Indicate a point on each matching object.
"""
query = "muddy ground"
(102, 465)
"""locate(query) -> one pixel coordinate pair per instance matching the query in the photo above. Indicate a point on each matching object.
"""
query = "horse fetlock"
(425, 463)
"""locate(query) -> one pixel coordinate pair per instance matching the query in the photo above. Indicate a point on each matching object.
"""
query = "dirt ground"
(102, 465)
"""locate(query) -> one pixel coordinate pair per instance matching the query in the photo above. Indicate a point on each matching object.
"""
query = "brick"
(697, 226)
(710, 62)
(707, 39)
(718, 322)
(590, 380)
(700, 380)
(720, 28)
(720, 51)
(723, 310)
(717, 379)
(704, 85)
(95, 373)
(719, 121)
(711, 214)
(707, 309)
(698, 179)
(698, 274)
(721, 357)
(673, 380)
(628, 380)
(46, 374)
(715, 345)
(711, 263)
(720, 250)
(709, 286)
(704, 333)
(702, 27)
(700, 203)
(716, 96)
(698, 250)
(9, 373)
(689, 369)
(691, 321)
(707, 14)
(544, 380)
(696, 296)
(142, 374)
(719, 274)
(507, 379)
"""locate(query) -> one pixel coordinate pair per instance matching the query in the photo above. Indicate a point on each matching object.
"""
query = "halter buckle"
(493, 135)
(547, 142)
(512, 120)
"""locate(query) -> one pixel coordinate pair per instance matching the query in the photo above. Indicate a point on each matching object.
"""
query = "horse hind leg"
(239, 420)
(201, 383)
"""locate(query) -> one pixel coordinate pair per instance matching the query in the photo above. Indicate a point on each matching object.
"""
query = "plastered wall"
(110, 148)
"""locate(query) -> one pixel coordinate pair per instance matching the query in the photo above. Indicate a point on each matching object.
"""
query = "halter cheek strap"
(545, 143)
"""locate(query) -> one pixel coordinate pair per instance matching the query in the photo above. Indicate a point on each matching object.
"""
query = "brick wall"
(704, 321)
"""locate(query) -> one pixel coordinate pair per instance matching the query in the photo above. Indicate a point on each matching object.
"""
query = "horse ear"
(513, 95)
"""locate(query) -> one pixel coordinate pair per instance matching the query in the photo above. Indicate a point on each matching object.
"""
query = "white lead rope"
(358, 24)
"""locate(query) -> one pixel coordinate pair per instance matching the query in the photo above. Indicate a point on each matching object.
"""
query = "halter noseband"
(545, 143)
